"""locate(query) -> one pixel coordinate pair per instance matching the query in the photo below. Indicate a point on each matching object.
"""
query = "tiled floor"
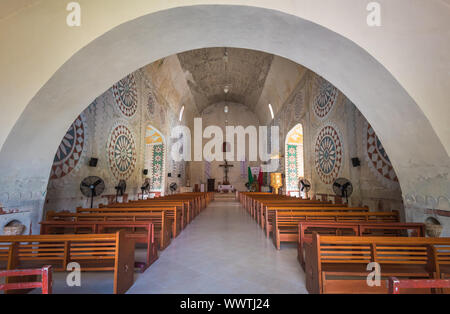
(223, 251)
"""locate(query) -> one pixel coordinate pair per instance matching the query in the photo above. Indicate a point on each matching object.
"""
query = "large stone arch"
(419, 157)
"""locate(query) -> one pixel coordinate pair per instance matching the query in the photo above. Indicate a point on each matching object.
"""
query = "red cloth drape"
(260, 179)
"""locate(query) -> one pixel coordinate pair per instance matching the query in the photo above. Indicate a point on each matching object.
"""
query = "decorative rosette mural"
(121, 151)
(328, 153)
(71, 150)
(325, 98)
(125, 94)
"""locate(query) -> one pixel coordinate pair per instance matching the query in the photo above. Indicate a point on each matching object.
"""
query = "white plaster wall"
(214, 115)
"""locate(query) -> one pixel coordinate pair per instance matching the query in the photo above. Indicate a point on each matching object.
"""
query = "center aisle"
(223, 251)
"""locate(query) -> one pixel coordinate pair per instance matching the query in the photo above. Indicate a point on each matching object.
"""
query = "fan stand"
(92, 195)
(142, 189)
(346, 195)
(117, 194)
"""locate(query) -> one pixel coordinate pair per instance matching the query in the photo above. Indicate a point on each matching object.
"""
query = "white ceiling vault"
(225, 74)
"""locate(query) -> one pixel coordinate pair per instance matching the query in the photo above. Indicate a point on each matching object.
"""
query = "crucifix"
(225, 170)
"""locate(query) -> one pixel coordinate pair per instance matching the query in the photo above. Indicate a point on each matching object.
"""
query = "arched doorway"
(155, 155)
(295, 167)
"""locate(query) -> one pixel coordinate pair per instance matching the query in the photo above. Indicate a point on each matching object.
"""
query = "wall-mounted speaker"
(145, 172)
(93, 162)
(169, 175)
(179, 176)
(356, 162)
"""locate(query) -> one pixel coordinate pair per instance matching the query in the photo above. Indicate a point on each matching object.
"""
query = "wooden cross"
(225, 169)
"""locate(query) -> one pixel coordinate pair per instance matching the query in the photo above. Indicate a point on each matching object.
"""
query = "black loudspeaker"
(145, 172)
(169, 175)
(356, 162)
(179, 176)
(93, 162)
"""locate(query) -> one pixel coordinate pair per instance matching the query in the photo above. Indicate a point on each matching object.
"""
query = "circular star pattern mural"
(121, 152)
(70, 151)
(325, 99)
(379, 162)
(329, 153)
(125, 94)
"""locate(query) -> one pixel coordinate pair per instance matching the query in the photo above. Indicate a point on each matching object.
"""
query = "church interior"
(94, 198)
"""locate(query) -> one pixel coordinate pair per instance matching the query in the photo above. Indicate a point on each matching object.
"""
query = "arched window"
(294, 160)
(155, 159)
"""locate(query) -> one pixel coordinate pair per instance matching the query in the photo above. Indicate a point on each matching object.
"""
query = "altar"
(225, 188)
(186, 189)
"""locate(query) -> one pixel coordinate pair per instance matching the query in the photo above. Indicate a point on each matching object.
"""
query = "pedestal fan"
(343, 187)
(304, 185)
(145, 187)
(173, 187)
(121, 188)
(92, 187)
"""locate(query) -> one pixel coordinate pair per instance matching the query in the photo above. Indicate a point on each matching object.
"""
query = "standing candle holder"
(276, 181)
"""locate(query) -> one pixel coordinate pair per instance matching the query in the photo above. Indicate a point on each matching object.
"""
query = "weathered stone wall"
(151, 96)
(334, 133)
(214, 115)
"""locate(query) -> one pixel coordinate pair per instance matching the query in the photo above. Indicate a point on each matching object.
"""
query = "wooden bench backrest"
(312, 208)
(137, 209)
(435, 286)
(383, 250)
(155, 201)
(359, 228)
(293, 202)
(306, 229)
(21, 285)
(288, 216)
(122, 216)
(115, 250)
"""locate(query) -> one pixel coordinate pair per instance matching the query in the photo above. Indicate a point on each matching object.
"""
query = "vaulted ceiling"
(210, 72)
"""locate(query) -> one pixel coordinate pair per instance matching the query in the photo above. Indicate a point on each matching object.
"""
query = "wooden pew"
(24, 285)
(339, 264)
(246, 197)
(260, 206)
(185, 208)
(174, 213)
(251, 201)
(162, 223)
(139, 232)
(269, 212)
(435, 286)
(305, 230)
(195, 202)
(202, 199)
(94, 252)
(285, 222)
